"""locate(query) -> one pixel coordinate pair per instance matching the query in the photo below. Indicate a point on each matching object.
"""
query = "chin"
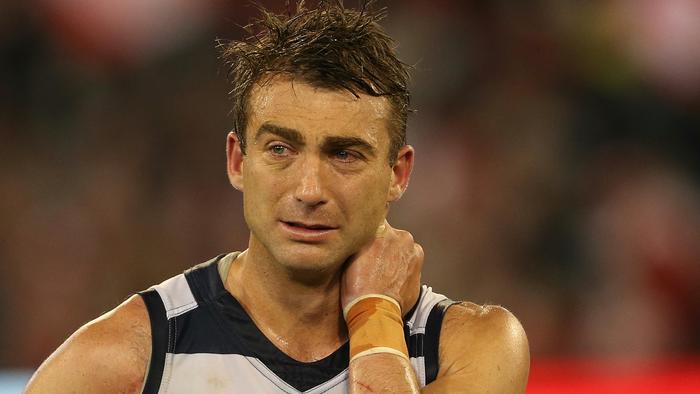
(309, 258)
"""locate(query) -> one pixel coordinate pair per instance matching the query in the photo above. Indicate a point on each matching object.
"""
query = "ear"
(234, 161)
(401, 173)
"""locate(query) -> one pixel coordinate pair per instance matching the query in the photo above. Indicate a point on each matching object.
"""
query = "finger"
(382, 229)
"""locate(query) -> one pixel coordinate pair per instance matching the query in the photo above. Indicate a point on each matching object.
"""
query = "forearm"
(379, 361)
(380, 282)
(382, 373)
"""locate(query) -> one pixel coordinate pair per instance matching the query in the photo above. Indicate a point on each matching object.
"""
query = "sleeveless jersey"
(203, 341)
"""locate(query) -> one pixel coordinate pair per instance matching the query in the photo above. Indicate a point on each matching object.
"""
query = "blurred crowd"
(557, 169)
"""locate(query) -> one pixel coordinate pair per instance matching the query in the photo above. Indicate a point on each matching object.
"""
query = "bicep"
(482, 349)
(109, 354)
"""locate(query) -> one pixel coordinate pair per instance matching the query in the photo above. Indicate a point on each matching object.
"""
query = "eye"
(279, 150)
(345, 156)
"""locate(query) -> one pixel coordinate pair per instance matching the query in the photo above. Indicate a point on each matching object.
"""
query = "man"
(327, 296)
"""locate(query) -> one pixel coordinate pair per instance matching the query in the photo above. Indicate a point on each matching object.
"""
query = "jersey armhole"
(432, 339)
(159, 340)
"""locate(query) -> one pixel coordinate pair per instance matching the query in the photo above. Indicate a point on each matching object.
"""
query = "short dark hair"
(330, 47)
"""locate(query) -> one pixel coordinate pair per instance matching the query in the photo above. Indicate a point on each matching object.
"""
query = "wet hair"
(329, 47)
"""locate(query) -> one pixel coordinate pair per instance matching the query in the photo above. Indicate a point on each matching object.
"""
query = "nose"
(310, 189)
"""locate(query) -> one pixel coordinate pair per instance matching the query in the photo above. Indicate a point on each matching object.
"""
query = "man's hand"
(390, 265)
(482, 349)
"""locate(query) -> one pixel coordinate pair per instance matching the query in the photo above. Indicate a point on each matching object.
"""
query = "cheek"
(365, 199)
(259, 189)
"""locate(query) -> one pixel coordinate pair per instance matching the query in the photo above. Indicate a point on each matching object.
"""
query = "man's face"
(316, 178)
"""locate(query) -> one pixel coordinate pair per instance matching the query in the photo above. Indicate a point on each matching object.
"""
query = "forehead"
(318, 111)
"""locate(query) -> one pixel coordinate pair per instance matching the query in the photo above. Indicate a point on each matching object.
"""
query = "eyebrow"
(287, 133)
(330, 143)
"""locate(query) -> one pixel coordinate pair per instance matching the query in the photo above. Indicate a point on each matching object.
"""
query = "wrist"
(375, 326)
(355, 301)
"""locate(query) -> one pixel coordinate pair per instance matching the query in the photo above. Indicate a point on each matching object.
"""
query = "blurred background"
(557, 169)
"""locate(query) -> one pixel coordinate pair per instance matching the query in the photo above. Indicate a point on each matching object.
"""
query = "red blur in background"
(568, 376)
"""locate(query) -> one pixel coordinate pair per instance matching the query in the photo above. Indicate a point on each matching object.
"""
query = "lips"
(310, 226)
(307, 231)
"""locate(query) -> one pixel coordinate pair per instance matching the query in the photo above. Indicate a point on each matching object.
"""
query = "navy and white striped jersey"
(205, 342)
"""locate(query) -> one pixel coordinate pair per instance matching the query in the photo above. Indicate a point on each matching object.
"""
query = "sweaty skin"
(316, 183)
(482, 349)
(315, 159)
(369, 273)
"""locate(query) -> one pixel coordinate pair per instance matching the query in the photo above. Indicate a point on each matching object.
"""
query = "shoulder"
(108, 354)
(486, 341)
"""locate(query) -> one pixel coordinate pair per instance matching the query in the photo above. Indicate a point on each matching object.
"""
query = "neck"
(298, 311)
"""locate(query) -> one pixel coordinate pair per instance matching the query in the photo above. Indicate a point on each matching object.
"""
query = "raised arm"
(107, 355)
(482, 349)
(380, 282)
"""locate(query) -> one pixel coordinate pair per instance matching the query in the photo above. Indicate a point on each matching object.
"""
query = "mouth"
(307, 232)
(309, 226)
